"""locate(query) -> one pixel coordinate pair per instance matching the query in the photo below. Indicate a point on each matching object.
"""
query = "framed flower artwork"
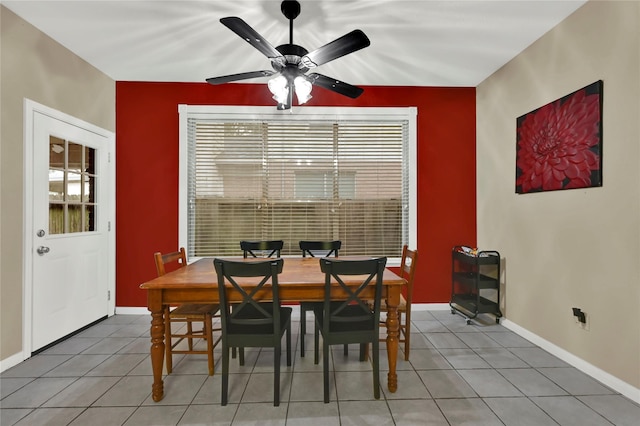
(559, 145)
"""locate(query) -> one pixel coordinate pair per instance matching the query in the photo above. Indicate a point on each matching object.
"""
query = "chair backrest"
(176, 259)
(355, 305)
(326, 248)
(408, 269)
(250, 247)
(258, 307)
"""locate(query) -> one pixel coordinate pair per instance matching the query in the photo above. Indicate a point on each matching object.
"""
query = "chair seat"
(260, 329)
(194, 311)
(347, 326)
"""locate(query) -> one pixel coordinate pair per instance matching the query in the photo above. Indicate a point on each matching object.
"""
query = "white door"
(70, 231)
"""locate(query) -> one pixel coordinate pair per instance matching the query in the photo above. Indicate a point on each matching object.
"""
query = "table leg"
(393, 298)
(157, 345)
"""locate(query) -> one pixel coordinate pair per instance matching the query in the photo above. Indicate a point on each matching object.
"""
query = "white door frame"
(31, 108)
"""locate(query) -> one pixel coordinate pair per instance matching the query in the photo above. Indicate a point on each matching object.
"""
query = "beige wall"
(35, 67)
(577, 247)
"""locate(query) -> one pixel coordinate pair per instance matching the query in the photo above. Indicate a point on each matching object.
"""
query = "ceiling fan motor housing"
(292, 54)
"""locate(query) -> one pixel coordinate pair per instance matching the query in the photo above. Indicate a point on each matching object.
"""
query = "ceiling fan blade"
(348, 43)
(251, 36)
(334, 85)
(240, 76)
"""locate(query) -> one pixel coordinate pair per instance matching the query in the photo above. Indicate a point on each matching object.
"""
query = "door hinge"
(109, 226)
(108, 294)
(108, 157)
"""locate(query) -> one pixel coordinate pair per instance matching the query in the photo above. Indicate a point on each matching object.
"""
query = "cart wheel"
(497, 320)
(468, 322)
(453, 312)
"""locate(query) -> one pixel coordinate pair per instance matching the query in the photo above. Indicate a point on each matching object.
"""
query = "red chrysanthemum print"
(558, 144)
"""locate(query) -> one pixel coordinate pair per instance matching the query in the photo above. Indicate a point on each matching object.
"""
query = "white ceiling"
(413, 43)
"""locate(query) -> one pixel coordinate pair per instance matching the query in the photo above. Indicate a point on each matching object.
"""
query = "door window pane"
(75, 218)
(73, 187)
(56, 185)
(56, 219)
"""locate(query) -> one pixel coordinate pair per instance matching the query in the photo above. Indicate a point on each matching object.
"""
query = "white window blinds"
(276, 179)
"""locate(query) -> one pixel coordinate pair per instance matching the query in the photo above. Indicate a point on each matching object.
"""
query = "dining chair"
(313, 249)
(188, 313)
(257, 318)
(407, 272)
(259, 249)
(270, 248)
(351, 320)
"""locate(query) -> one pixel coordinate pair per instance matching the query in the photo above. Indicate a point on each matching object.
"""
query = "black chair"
(322, 248)
(251, 247)
(259, 249)
(351, 320)
(257, 319)
(313, 248)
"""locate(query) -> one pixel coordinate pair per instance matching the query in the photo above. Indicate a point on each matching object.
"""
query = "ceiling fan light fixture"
(279, 88)
(303, 89)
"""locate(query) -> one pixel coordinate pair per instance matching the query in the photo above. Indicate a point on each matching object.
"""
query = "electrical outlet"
(583, 325)
(581, 318)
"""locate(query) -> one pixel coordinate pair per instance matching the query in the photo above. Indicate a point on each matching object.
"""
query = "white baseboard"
(602, 376)
(132, 310)
(430, 307)
(11, 361)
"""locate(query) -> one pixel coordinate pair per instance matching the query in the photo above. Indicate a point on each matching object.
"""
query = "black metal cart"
(475, 282)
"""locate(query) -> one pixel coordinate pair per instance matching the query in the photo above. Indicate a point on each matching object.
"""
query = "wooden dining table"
(301, 280)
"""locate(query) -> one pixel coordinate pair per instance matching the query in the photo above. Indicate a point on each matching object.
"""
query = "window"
(72, 183)
(316, 174)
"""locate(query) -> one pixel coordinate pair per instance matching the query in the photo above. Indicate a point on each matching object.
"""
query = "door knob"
(42, 250)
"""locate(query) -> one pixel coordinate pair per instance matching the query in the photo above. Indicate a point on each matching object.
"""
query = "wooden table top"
(296, 271)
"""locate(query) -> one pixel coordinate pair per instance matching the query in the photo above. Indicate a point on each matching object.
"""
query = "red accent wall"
(147, 172)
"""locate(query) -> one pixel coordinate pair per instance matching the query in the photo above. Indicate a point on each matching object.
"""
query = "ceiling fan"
(291, 62)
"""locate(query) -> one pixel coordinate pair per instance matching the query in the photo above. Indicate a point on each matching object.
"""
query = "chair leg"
(167, 340)
(316, 342)
(289, 344)
(376, 367)
(225, 374)
(208, 326)
(303, 328)
(364, 351)
(276, 375)
(407, 335)
(190, 333)
(346, 350)
(325, 369)
(241, 356)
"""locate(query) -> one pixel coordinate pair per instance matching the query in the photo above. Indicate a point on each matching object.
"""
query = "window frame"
(266, 113)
